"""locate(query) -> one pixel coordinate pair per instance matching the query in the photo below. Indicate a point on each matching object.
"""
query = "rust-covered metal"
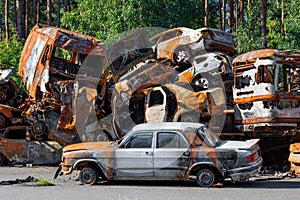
(59, 67)
(17, 146)
(294, 158)
(266, 90)
(199, 59)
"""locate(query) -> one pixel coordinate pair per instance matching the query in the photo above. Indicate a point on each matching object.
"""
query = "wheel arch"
(197, 166)
(91, 163)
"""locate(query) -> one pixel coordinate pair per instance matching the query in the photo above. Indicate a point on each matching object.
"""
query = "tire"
(206, 177)
(103, 137)
(88, 176)
(3, 121)
(2, 159)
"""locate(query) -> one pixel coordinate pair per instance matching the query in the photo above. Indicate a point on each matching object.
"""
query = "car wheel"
(2, 159)
(206, 177)
(88, 176)
(103, 137)
(3, 121)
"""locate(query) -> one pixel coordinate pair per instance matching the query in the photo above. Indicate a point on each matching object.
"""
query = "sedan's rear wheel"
(88, 176)
(206, 177)
(2, 159)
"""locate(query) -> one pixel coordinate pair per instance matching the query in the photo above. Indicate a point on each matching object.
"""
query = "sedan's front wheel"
(88, 176)
(206, 177)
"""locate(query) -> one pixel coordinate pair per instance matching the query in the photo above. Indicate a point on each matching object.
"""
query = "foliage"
(248, 35)
(45, 182)
(10, 52)
(104, 19)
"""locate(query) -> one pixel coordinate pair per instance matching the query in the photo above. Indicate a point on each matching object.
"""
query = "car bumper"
(244, 173)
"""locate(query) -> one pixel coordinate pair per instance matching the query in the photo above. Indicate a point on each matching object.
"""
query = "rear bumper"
(244, 173)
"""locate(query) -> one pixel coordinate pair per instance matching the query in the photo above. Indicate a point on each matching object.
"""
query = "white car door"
(156, 106)
(171, 156)
(134, 158)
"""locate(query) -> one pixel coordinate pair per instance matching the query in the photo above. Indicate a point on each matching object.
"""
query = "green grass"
(45, 182)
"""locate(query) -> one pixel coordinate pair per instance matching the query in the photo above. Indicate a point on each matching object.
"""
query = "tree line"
(255, 23)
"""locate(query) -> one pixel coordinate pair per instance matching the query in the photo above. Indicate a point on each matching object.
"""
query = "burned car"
(63, 73)
(266, 90)
(164, 151)
(10, 93)
(18, 147)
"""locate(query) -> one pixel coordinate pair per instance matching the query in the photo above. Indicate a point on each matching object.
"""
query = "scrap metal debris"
(294, 158)
(18, 181)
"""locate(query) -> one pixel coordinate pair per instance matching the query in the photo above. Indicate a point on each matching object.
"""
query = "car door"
(134, 158)
(171, 155)
(156, 106)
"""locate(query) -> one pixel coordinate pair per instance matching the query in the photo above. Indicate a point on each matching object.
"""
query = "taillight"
(252, 157)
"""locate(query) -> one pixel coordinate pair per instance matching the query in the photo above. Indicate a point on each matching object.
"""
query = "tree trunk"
(20, 18)
(283, 30)
(206, 8)
(263, 16)
(241, 11)
(15, 14)
(26, 17)
(6, 19)
(230, 15)
(37, 11)
(49, 12)
(222, 15)
(58, 13)
(67, 6)
(34, 12)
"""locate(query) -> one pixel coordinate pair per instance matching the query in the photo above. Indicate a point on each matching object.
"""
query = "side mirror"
(187, 153)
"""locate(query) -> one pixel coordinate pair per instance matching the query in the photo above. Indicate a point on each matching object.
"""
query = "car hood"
(248, 144)
(88, 146)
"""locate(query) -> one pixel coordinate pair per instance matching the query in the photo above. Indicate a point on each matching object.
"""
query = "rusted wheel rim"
(205, 178)
(88, 176)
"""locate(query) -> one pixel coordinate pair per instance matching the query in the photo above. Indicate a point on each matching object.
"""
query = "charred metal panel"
(264, 92)
(294, 158)
(128, 52)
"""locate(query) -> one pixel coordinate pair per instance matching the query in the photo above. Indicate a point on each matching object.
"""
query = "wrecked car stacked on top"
(51, 60)
(184, 80)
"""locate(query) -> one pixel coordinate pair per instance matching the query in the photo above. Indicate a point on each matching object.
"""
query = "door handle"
(149, 153)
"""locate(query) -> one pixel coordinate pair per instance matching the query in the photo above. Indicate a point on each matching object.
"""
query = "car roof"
(166, 126)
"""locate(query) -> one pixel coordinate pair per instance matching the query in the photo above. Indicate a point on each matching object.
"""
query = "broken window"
(16, 134)
(62, 53)
(156, 98)
(170, 140)
(264, 74)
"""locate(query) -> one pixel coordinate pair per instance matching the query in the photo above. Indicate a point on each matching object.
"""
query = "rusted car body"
(294, 158)
(9, 116)
(200, 58)
(63, 73)
(170, 103)
(266, 90)
(164, 151)
(18, 147)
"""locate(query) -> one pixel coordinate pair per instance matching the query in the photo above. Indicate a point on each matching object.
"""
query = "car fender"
(210, 164)
(104, 172)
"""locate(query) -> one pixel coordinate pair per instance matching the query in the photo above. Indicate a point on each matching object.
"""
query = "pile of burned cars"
(81, 91)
